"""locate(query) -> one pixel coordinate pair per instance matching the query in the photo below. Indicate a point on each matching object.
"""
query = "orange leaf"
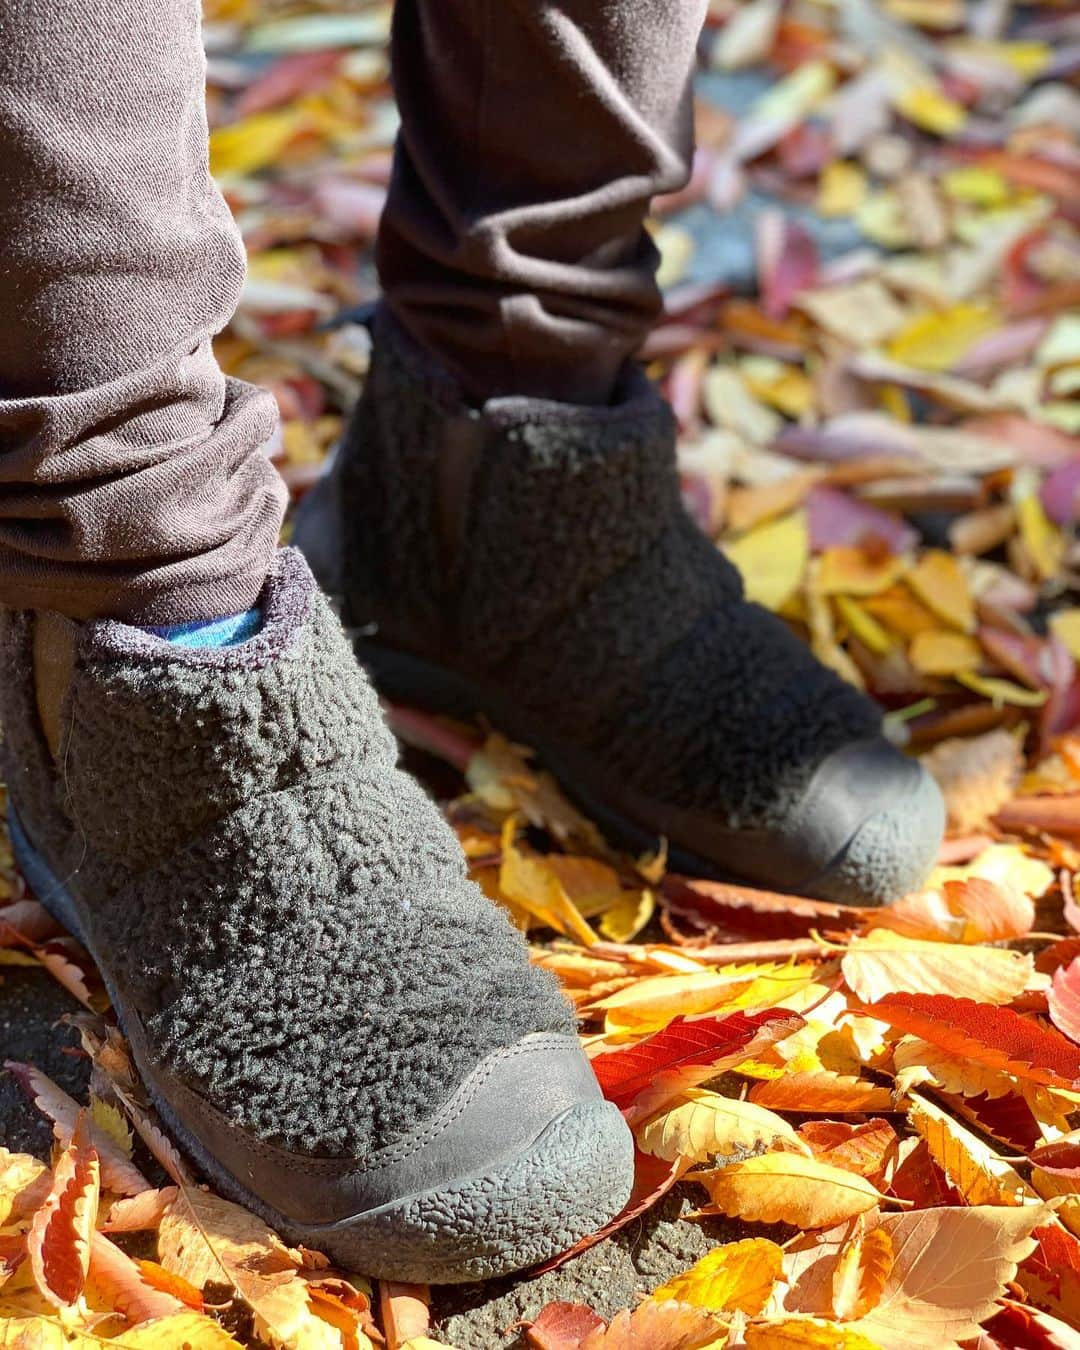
(658, 1326)
(997, 1037)
(405, 1311)
(136, 1212)
(169, 1283)
(864, 1149)
(860, 1275)
(128, 1288)
(939, 582)
(60, 1232)
(788, 1188)
(832, 1092)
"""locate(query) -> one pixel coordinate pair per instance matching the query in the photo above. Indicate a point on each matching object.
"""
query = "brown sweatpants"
(133, 478)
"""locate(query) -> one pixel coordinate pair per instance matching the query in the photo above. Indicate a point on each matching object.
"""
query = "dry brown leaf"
(58, 1243)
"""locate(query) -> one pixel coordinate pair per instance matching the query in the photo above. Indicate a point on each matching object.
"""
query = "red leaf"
(920, 1180)
(653, 1178)
(60, 1233)
(1007, 1118)
(1057, 954)
(741, 911)
(622, 1074)
(787, 261)
(996, 1037)
(127, 1286)
(562, 1326)
(1063, 999)
(1061, 1157)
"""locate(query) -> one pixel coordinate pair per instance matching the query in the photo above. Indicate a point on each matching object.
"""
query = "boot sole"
(573, 1178)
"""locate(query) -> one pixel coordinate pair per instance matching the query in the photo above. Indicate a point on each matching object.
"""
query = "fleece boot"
(532, 562)
(337, 1025)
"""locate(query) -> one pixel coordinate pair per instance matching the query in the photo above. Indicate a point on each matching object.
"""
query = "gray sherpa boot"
(532, 562)
(338, 1026)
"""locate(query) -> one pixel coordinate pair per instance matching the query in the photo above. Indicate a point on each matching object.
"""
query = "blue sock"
(226, 632)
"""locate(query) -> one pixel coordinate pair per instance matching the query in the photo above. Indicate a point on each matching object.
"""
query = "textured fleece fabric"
(575, 581)
(288, 912)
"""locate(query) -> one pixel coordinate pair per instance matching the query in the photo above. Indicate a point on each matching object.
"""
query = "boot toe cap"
(876, 820)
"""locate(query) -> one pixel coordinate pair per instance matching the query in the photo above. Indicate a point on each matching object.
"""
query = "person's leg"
(510, 538)
(533, 138)
(339, 1027)
(133, 481)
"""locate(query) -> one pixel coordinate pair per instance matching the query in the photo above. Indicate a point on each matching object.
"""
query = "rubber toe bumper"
(876, 819)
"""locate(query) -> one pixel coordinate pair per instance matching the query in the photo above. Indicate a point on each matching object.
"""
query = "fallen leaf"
(1063, 998)
(970, 1165)
(977, 776)
(883, 962)
(737, 1276)
(996, 1037)
(685, 1053)
(708, 1124)
(772, 559)
(58, 1243)
(788, 1188)
(861, 1271)
(939, 583)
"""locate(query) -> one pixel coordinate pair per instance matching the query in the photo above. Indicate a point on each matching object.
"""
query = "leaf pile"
(872, 345)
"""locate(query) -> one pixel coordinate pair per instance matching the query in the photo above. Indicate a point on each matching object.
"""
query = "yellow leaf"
(939, 582)
(940, 653)
(526, 880)
(789, 1188)
(823, 641)
(625, 919)
(782, 386)
(772, 559)
(676, 248)
(930, 110)
(861, 1271)
(805, 1333)
(862, 313)
(971, 1166)
(1044, 541)
(251, 144)
(708, 1124)
(24, 1184)
(656, 999)
(112, 1122)
(182, 1331)
(977, 186)
(1066, 625)
(738, 1277)
(1000, 691)
(938, 339)
(882, 962)
(841, 188)
(205, 1239)
(851, 571)
(899, 611)
(864, 626)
